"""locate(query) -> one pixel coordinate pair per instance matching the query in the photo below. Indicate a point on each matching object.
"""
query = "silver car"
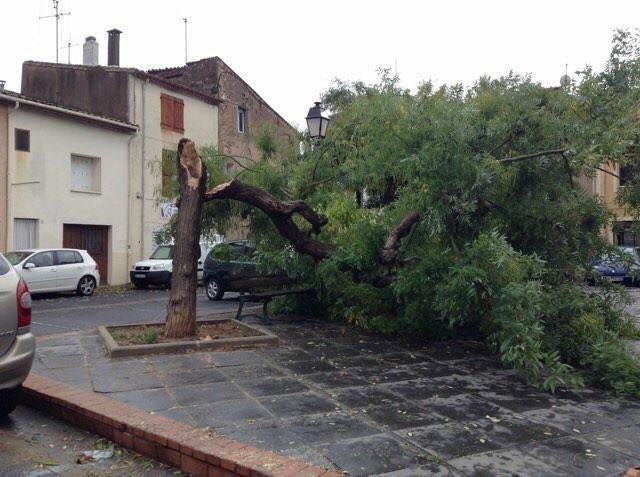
(17, 344)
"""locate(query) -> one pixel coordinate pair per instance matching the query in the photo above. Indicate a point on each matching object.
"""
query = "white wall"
(200, 125)
(40, 182)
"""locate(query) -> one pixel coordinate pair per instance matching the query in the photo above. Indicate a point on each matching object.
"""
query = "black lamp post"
(316, 122)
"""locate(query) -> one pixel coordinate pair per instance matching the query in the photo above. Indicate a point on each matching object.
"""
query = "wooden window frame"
(171, 113)
(28, 136)
(242, 112)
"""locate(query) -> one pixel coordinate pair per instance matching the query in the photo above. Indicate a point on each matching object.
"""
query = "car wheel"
(8, 401)
(86, 286)
(140, 286)
(214, 289)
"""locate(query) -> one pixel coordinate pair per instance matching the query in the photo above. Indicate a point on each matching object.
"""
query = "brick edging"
(195, 451)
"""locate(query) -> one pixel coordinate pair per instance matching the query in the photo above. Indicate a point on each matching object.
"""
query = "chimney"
(2, 83)
(114, 47)
(90, 52)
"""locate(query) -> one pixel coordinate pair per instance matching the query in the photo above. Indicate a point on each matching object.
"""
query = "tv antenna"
(185, 40)
(56, 15)
(68, 48)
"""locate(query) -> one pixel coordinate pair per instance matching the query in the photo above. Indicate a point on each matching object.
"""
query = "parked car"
(17, 344)
(56, 270)
(226, 263)
(156, 270)
(623, 268)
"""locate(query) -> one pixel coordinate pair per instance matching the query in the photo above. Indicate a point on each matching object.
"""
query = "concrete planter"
(261, 339)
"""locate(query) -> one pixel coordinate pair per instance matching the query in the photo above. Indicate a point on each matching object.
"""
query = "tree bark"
(281, 214)
(192, 177)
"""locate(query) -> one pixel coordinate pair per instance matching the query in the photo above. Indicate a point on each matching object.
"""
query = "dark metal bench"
(265, 298)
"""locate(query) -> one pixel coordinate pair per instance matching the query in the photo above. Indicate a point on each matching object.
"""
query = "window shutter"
(178, 115)
(166, 111)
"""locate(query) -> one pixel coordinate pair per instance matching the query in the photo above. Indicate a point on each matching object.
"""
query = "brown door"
(92, 238)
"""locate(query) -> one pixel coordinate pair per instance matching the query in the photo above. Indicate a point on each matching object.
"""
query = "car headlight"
(159, 266)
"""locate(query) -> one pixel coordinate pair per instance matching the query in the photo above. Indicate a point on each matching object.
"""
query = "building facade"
(64, 182)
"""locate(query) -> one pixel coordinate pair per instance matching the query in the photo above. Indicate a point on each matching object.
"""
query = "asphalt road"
(61, 313)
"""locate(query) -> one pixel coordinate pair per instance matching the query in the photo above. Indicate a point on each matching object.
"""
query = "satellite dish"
(565, 80)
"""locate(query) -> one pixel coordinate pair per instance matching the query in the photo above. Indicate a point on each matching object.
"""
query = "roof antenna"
(68, 48)
(185, 40)
(57, 16)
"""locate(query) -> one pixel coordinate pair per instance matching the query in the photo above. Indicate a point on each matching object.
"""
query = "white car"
(17, 343)
(156, 270)
(56, 270)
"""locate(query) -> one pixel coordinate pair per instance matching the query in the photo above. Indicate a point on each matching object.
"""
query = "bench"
(265, 298)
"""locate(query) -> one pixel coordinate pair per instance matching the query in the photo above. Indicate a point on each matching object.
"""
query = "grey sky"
(289, 51)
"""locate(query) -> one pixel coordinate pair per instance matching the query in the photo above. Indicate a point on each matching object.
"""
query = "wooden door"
(92, 238)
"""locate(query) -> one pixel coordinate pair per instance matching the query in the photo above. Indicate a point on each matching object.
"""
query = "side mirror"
(28, 266)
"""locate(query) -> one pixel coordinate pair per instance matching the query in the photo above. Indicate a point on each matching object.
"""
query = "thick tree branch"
(533, 155)
(281, 214)
(388, 255)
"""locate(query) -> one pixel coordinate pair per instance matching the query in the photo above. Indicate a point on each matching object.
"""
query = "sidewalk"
(366, 405)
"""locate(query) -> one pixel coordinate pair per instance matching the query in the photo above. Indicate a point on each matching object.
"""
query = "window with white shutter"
(85, 174)
(25, 234)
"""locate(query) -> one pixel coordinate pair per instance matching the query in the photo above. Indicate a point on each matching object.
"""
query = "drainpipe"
(142, 162)
(8, 203)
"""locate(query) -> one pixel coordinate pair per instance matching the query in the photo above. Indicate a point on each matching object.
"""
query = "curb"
(195, 451)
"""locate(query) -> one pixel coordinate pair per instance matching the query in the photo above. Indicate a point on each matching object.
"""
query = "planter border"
(114, 350)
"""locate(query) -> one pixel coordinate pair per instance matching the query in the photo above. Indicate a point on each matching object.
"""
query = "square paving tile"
(463, 407)
(624, 439)
(509, 429)
(183, 362)
(286, 354)
(450, 440)
(328, 427)
(423, 388)
(519, 401)
(253, 371)
(364, 396)
(512, 462)
(373, 455)
(269, 435)
(428, 470)
(399, 373)
(432, 370)
(176, 378)
(576, 420)
(272, 386)
(291, 405)
(235, 358)
(578, 457)
(224, 413)
(338, 379)
(404, 357)
(308, 367)
(147, 399)
(206, 393)
(108, 383)
(402, 416)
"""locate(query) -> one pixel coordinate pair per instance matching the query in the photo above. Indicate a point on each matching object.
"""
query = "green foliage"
(502, 248)
(148, 336)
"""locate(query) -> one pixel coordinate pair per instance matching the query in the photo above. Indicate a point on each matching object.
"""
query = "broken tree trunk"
(281, 214)
(192, 177)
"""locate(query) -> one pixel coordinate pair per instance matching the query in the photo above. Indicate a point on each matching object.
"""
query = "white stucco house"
(64, 180)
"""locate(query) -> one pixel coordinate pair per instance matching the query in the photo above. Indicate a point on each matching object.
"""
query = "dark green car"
(227, 268)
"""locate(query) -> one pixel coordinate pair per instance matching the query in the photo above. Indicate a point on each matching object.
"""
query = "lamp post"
(316, 122)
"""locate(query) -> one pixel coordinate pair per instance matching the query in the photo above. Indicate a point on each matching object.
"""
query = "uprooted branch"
(388, 255)
(281, 214)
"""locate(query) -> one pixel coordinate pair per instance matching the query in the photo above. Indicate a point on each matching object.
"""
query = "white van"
(156, 270)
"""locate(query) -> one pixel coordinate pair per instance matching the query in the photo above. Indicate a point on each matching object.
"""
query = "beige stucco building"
(65, 180)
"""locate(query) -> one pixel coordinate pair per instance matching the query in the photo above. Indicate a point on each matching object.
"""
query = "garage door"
(92, 238)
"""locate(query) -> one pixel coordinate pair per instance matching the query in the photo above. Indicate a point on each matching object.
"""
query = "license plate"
(139, 275)
(614, 279)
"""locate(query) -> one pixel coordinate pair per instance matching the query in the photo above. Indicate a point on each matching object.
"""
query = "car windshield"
(163, 252)
(15, 258)
(633, 252)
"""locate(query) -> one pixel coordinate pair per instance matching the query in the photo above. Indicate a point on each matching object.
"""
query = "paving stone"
(420, 389)
(205, 393)
(272, 386)
(400, 373)
(450, 440)
(463, 407)
(328, 427)
(576, 420)
(583, 458)
(519, 401)
(476, 365)
(224, 413)
(510, 429)
(372, 455)
(360, 362)
(404, 357)
(432, 370)
(311, 456)
(269, 435)
(235, 358)
(402, 416)
(308, 367)
(512, 462)
(147, 399)
(182, 362)
(338, 379)
(297, 404)
(118, 368)
(240, 373)
(286, 354)
(364, 396)
(113, 383)
(177, 414)
(623, 439)
(428, 470)
(176, 378)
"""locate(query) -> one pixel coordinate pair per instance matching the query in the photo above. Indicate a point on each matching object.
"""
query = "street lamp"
(316, 122)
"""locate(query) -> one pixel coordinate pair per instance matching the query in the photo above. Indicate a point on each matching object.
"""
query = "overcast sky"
(289, 51)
